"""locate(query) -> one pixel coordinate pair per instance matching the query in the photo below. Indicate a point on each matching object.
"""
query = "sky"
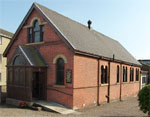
(127, 21)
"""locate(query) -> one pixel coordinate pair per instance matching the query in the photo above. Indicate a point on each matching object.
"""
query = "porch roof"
(33, 56)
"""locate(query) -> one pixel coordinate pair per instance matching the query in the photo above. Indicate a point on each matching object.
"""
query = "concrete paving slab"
(55, 107)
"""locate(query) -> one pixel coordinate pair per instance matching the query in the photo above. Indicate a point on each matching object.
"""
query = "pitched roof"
(33, 56)
(79, 38)
(83, 39)
(5, 33)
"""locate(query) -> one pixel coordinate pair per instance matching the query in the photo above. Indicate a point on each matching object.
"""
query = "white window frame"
(0, 77)
(0, 58)
(0, 40)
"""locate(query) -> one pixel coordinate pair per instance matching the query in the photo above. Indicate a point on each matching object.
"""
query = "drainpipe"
(140, 80)
(120, 80)
(108, 96)
(98, 82)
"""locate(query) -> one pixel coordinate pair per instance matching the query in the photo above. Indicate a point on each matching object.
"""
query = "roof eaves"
(3, 35)
(105, 58)
(25, 55)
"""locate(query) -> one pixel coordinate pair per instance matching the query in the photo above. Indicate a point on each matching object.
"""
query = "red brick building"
(54, 58)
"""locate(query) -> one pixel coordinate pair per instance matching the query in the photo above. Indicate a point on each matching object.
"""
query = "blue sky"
(127, 21)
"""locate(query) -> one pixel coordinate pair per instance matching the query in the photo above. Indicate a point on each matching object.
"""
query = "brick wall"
(49, 49)
(85, 82)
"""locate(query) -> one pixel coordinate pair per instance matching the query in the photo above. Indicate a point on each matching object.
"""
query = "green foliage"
(144, 99)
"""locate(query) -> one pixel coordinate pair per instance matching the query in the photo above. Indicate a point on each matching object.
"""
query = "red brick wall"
(114, 86)
(103, 87)
(127, 86)
(85, 82)
(49, 49)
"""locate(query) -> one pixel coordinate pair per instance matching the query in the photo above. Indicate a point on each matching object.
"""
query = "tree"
(144, 99)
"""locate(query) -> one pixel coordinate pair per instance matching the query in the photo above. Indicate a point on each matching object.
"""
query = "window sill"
(60, 86)
(104, 84)
(35, 43)
(125, 82)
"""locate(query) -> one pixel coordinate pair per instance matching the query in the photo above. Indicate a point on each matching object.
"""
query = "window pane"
(42, 33)
(19, 60)
(27, 77)
(102, 74)
(0, 40)
(9, 76)
(30, 35)
(36, 36)
(106, 75)
(36, 31)
(117, 73)
(0, 58)
(137, 74)
(60, 71)
(36, 26)
(21, 78)
(0, 77)
(16, 74)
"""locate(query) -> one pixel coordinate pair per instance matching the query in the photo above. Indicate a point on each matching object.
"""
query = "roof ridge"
(61, 15)
(91, 30)
(5, 32)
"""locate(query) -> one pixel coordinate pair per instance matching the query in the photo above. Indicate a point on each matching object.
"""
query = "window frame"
(137, 74)
(131, 74)
(0, 40)
(104, 74)
(125, 74)
(0, 77)
(19, 57)
(60, 79)
(31, 37)
(118, 74)
(0, 58)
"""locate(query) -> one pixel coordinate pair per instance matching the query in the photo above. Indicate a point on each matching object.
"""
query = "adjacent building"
(5, 37)
(145, 72)
(53, 58)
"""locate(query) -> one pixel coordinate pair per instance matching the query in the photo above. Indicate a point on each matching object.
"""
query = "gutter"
(104, 58)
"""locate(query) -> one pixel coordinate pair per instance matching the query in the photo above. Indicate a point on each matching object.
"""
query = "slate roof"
(83, 39)
(6, 33)
(33, 56)
(145, 61)
(79, 38)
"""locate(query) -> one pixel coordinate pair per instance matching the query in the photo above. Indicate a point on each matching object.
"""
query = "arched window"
(19, 73)
(137, 74)
(117, 73)
(104, 75)
(36, 30)
(131, 74)
(19, 60)
(60, 71)
(124, 74)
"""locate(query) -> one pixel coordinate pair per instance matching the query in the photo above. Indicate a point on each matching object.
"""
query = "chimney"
(89, 24)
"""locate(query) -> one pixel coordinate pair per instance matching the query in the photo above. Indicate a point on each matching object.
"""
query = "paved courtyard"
(128, 107)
